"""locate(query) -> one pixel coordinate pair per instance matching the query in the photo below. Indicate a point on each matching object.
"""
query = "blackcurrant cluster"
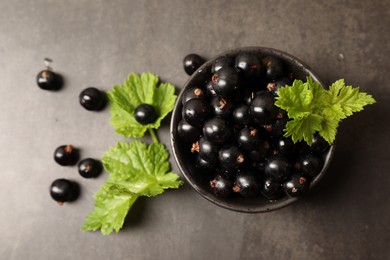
(234, 131)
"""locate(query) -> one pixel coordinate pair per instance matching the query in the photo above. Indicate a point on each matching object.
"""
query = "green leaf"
(135, 170)
(350, 99)
(295, 99)
(136, 90)
(111, 206)
(304, 128)
(313, 109)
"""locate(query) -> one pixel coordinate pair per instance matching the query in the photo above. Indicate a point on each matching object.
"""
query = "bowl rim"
(270, 206)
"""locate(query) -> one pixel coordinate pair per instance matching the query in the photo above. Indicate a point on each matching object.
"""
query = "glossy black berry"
(249, 64)
(62, 190)
(66, 155)
(92, 99)
(221, 107)
(217, 130)
(246, 184)
(192, 93)
(205, 166)
(274, 67)
(222, 186)
(263, 109)
(296, 186)
(226, 82)
(222, 62)
(271, 189)
(187, 132)
(249, 138)
(319, 144)
(195, 112)
(90, 168)
(192, 62)
(309, 165)
(284, 146)
(210, 90)
(206, 149)
(48, 80)
(230, 157)
(145, 114)
(277, 168)
(241, 116)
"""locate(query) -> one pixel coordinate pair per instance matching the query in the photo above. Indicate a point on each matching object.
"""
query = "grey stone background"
(97, 43)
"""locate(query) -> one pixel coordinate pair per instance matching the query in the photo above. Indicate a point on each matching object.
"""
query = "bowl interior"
(185, 160)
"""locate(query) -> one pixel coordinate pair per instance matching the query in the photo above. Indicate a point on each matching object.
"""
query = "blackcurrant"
(221, 107)
(226, 82)
(66, 155)
(222, 62)
(90, 168)
(271, 189)
(92, 99)
(192, 93)
(309, 165)
(274, 86)
(49, 80)
(277, 168)
(217, 130)
(246, 184)
(249, 138)
(187, 132)
(63, 190)
(319, 144)
(195, 112)
(263, 109)
(274, 67)
(230, 157)
(192, 62)
(296, 186)
(205, 166)
(206, 149)
(222, 186)
(241, 116)
(249, 64)
(145, 114)
(284, 146)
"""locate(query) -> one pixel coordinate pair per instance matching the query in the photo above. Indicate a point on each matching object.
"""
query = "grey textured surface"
(97, 43)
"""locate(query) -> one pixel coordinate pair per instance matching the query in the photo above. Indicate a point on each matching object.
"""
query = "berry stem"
(153, 135)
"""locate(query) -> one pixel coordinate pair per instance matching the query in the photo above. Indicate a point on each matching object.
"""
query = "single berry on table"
(89, 168)
(63, 190)
(192, 62)
(92, 99)
(66, 155)
(49, 80)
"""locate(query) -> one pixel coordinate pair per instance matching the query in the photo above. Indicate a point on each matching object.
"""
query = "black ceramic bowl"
(185, 160)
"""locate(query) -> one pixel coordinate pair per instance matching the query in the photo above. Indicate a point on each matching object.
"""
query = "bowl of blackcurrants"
(227, 135)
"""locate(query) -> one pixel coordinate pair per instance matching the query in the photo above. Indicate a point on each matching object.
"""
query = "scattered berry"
(192, 62)
(62, 190)
(90, 168)
(66, 155)
(92, 99)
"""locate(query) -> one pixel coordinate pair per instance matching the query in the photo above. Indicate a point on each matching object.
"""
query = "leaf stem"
(153, 135)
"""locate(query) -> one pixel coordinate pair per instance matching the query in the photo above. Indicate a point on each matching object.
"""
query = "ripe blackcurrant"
(274, 67)
(92, 99)
(217, 130)
(195, 112)
(221, 107)
(66, 155)
(48, 80)
(272, 190)
(192, 93)
(226, 82)
(145, 114)
(187, 132)
(192, 62)
(309, 165)
(263, 109)
(249, 64)
(246, 184)
(222, 62)
(230, 157)
(277, 168)
(62, 190)
(296, 186)
(222, 186)
(90, 168)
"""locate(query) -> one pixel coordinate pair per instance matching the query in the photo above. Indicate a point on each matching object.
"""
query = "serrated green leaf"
(329, 130)
(304, 128)
(135, 170)
(112, 204)
(136, 90)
